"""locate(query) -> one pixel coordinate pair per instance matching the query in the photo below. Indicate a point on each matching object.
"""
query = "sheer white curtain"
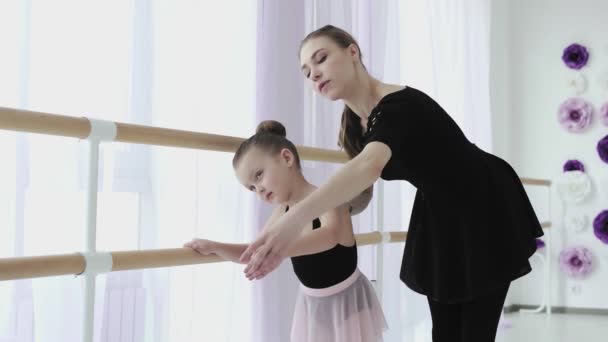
(180, 64)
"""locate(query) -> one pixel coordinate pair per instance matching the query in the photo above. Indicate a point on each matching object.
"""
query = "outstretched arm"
(228, 251)
(360, 203)
(335, 224)
(354, 177)
(336, 227)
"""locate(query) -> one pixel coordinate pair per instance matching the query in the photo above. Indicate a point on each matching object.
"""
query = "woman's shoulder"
(400, 94)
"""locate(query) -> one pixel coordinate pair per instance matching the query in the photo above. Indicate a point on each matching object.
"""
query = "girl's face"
(266, 175)
(328, 67)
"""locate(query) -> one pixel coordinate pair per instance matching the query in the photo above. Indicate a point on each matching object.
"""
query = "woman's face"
(328, 67)
(266, 175)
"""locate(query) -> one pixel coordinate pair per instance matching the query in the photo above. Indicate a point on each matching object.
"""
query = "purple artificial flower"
(576, 262)
(602, 149)
(575, 114)
(574, 165)
(540, 244)
(575, 56)
(600, 226)
(604, 114)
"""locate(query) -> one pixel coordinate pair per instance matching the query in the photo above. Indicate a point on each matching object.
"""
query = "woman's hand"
(269, 249)
(202, 246)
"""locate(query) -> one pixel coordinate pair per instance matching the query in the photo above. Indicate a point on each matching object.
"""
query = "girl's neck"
(300, 188)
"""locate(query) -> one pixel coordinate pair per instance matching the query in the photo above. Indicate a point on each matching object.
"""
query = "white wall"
(528, 85)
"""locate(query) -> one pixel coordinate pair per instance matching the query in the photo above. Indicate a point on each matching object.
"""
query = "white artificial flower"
(603, 82)
(577, 83)
(573, 186)
(575, 223)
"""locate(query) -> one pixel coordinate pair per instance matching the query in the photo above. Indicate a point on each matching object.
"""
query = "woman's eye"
(322, 59)
(258, 175)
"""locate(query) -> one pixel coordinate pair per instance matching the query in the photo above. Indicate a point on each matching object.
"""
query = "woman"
(472, 227)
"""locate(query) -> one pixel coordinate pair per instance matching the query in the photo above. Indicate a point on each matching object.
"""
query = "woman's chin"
(332, 96)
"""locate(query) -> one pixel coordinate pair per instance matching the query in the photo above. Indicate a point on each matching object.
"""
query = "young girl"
(336, 302)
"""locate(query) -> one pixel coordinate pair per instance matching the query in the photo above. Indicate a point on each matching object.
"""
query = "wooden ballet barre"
(534, 181)
(75, 127)
(68, 126)
(75, 263)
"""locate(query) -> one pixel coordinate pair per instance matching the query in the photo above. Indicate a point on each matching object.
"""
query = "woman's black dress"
(472, 227)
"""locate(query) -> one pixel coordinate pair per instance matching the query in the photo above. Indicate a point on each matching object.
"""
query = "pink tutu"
(346, 312)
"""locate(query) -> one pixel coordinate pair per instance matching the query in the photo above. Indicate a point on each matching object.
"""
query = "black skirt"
(472, 227)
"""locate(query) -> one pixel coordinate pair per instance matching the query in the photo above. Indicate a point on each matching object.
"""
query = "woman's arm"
(354, 177)
(336, 227)
(360, 203)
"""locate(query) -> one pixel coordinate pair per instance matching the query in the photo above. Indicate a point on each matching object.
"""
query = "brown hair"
(270, 137)
(350, 137)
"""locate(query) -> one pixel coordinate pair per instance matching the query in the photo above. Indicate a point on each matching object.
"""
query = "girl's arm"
(335, 226)
(229, 251)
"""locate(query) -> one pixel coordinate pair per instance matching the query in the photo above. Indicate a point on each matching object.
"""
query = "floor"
(518, 327)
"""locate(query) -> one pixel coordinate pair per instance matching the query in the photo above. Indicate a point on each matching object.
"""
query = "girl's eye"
(258, 175)
(322, 59)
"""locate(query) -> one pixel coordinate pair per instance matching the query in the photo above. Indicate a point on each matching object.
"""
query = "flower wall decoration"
(573, 186)
(576, 262)
(575, 223)
(577, 83)
(575, 114)
(602, 149)
(540, 244)
(575, 56)
(604, 114)
(600, 226)
(574, 165)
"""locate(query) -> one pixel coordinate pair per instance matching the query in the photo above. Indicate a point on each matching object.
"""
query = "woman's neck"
(364, 95)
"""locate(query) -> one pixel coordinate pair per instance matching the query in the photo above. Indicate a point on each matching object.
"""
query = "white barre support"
(380, 247)
(546, 260)
(386, 237)
(96, 263)
(101, 131)
(543, 304)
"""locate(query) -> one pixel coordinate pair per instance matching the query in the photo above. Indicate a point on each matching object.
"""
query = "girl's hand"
(202, 246)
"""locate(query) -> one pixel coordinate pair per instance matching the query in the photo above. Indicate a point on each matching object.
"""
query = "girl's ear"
(287, 156)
